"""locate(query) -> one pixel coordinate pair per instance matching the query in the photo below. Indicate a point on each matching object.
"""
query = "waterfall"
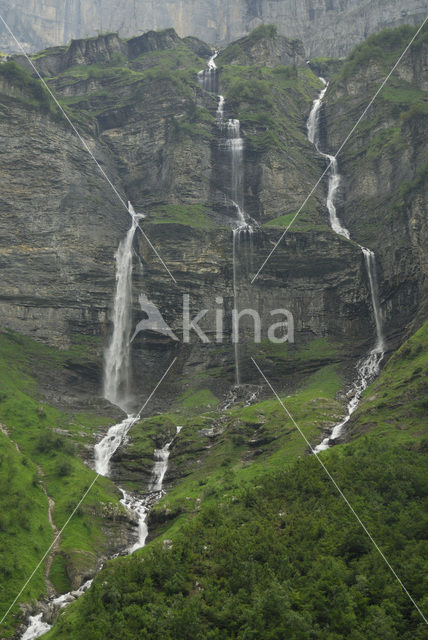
(104, 451)
(107, 447)
(141, 506)
(313, 127)
(370, 261)
(117, 355)
(207, 78)
(159, 469)
(37, 626)
(116, 390)
(235, 249)
(368, 368)
(232, 144)
(220, 111)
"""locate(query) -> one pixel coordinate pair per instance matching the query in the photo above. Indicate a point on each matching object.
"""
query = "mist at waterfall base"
(117, 380)
(368, 368)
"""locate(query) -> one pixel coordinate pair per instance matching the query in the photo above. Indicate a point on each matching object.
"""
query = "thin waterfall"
(117, 376)
(368, 368)
(235, 339)
(370, 260)
(232, 144)
(142, 506)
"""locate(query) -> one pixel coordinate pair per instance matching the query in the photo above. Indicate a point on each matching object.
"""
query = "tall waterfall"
(368, 368)
(117, 357)
(116, 390)
(232, 143)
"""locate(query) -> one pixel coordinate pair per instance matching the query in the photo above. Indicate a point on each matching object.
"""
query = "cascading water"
(117, 356)
(37, 626)
(208, 77)
(105, 449)
(142, 505)
(116, 390)
(369, 367)
(233, 145)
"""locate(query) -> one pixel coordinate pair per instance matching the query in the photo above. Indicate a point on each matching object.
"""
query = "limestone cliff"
(152, 128)
(327, 27)
(384, 167)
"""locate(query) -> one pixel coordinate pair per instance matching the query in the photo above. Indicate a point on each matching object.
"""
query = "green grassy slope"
(268, 549)
(49, 443)
(395, 407)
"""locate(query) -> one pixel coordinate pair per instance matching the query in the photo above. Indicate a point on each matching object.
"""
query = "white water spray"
(37, 626)
(369, 367)
(208, 77)
(117, 356)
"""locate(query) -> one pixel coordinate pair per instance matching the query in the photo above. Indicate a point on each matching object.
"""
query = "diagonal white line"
(27, 582)
(340, 492)
(84, 143)
(50, 547)
(342, 145)
(154, 391)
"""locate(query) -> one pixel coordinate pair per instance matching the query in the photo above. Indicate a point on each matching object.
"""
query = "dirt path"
(6, 433)
(51, 591)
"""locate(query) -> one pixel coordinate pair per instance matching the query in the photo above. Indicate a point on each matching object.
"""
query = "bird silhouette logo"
(154, 321)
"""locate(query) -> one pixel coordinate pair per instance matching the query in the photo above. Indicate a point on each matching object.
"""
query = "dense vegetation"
(31, 91)
(40, 446)
(271, 550)
(282, 559)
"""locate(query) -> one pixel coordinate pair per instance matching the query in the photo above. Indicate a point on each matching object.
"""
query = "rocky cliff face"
(144, 112)
(327, 27)
(384, 167)
(151, 126)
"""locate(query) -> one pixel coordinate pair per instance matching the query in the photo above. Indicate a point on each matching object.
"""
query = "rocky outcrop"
(264, 47)
(385, 172)
(152, 128)
(327, 28)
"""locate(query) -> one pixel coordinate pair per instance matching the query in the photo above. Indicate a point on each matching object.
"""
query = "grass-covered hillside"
(251, 540)
(41, 456)
(262, 545)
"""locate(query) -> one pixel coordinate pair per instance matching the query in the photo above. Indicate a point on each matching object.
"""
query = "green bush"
(34, 89)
